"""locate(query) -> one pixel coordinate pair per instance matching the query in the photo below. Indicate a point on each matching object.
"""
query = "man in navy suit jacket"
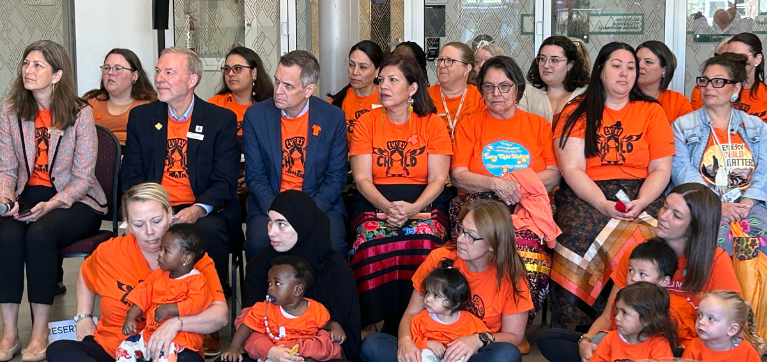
(310, 156)
(198, 164)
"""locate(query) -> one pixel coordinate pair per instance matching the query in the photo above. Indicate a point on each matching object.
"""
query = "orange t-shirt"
(295, 133)
(755, 106)
(175, 174)
(628, 140)
(675, 104)
(744, 352)
(494, 147)
(682, 312)
(740, 160)
(304, 326)
(354, 107)
(489, 303)
(189, 293)
(722, 276)
(472, 103)
(117, 123)
(400, 151)
(41, 175)
(114, 270)
(424, 328)
(227, 101)
(613, 348)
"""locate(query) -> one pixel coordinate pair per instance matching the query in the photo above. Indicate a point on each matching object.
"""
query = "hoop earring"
(133, 81)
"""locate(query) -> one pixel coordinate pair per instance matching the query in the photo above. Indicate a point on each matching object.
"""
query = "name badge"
(195, 136)
(55, 131)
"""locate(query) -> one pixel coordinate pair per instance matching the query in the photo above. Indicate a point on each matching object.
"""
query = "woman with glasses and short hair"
(124, 85)
(454, 97)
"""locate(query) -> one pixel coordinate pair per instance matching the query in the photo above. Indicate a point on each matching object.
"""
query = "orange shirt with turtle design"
(400, 151)
(295, 137)
(739, 163)
(304, 326)
(189, 293)
(489, 303)
(675, 104)
(744, 352)
(494, 147)
(628, 140)
(472, 103)
(613, 348)
(175, 174)
(424, 328)
(41, 175)
(754, 105)
(113, 271)
(227, 101)
(354, 107)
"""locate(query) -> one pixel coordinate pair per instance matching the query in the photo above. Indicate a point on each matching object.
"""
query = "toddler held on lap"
(287, 323)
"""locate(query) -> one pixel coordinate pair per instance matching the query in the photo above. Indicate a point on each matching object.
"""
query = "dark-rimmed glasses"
(448, 61)
(470, 239)
(715, 82)
(488, 88)
(236, 69)
(116, 68)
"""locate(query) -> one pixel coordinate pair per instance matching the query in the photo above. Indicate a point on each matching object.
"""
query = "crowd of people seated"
(471, 203)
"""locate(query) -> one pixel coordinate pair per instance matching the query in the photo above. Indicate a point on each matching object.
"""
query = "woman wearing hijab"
(297, 226)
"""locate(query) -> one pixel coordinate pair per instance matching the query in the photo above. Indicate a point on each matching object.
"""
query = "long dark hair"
(700, 249)
(755, 45)
(593, 103)
(576, 77)
(374, 53)
(420, 56)
(422, 103)
(65, 105)
(651, 303)
(666, 58)
(263, 89)
(142, 90)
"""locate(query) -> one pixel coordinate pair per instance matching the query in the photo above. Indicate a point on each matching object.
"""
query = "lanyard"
(723, 180)
(450, 121)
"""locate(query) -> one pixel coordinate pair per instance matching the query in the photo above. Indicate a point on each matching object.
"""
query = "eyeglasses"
(488, 88)
(116, 68)
(715, 82)
(237, 69)
(541, 60)
(470, 239)
(448, 61)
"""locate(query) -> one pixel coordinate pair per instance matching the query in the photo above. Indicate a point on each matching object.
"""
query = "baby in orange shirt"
(173, 290)
(445, 318)
(722, 316)
(287, 323)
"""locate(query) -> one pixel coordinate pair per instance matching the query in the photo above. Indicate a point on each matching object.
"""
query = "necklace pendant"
(721, 177)
(282, 332)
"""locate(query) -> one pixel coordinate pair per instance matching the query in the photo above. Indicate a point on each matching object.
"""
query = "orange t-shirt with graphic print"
(744, 352)
(354, 107)
(739, 163)
(675, 104)
(755, 106)
(424, 328)
(175, 174)
(613, 348)
(114, 270)
(189, 293)
(400, 151)
(41, 175)
(295, 137)
(489, 303)
(227, 101)
(494, 147)
(304, 326)
(628, 140)
(472, 103)
(722, 275)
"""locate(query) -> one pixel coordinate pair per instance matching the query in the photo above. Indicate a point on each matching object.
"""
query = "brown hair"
(141, 90)
(467, 56)
(64, 102)
(652, 303)
(494, 225)
(741, 314)
(262, 88)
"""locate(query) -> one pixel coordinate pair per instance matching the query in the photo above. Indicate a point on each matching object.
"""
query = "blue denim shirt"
(691, 134)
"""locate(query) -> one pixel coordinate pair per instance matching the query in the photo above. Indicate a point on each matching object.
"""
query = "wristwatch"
(486, 338)
(82, 316)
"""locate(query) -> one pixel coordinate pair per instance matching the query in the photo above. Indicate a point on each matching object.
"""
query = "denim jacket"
(691, 134)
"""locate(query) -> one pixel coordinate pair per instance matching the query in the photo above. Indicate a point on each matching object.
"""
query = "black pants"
(90, 351)
(216, 227)
(37, 244)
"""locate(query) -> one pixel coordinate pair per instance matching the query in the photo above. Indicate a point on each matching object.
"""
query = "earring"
(184, 264)
(53, 87)
(734, 98)
(254, 88)
(133, 81)
(409, 112)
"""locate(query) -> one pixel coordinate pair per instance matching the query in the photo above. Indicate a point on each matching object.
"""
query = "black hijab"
(334, 284)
